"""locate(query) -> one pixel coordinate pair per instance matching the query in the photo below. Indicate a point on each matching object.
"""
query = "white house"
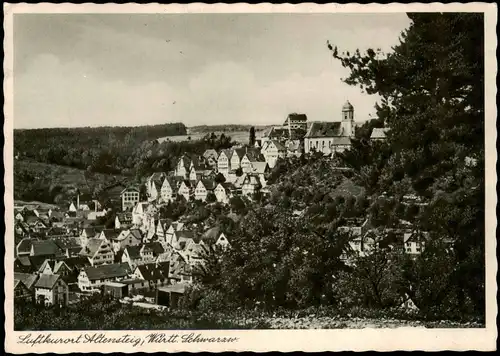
(50, 289)
(272, 151)
(91, 279)
(139, 213)
(223, 192)
(251, 185)
(183, 166)
(185, 189)
(203, 188)
(223, 162)
(236, 156)
(98, 251)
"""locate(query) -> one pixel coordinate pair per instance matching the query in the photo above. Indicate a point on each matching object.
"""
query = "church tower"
(347, 123)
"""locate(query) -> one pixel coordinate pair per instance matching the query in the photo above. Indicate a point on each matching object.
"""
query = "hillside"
(50, 183)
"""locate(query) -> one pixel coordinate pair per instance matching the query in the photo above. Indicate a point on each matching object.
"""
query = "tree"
(432, 101)
(219, 178)
(251, 140)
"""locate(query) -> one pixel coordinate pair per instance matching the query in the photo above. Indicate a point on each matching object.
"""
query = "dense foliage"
(432, 93)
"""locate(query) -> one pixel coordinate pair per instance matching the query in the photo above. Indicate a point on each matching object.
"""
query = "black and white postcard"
(250, 177)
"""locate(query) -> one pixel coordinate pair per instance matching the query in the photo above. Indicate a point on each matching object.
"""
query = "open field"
(237, 136)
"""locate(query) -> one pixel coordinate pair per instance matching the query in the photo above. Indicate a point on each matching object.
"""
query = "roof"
(210, 153)
(134, 252)
(208, 184)
(47, 281)
(254, 155)
(184, 234)
(174, 288)
(115, 270)
(45, 248)
(76, 262)
(324, 129)
(111, 234)
(92, 247)
(156, 247)
(25, 245)
(212, 234)
(68, 243)
(240, 152)
(347, 106)
(156, 176)
(28, 279)
(123, 217)
(154, 271)
(378, 133)
(278, 145)
(276, 132)
(259, 167)
(295, 116)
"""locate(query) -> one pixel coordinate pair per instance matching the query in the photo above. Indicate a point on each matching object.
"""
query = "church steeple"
(347, 119)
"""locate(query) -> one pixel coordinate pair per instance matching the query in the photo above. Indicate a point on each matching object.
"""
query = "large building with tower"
(330, 137)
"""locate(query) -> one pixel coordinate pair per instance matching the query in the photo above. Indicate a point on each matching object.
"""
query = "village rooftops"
(47, 281)
(28, 279)
(115, 270)
(154, 271)
(45, 248)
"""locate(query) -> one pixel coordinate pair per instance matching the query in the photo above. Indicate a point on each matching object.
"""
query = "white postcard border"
(270, 340)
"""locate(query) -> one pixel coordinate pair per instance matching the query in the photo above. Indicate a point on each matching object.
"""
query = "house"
(157, 177)
(140, 254)
(180, 238)
(251, 185)
(72, 208)
(195, 251)
(185, 189)
(86, 234)
(203, 188)
(183, 166)
(70, 246)
(130, 197)
(50, 289)
(414, 242)
(223, 191)
(272, 151)
(109, 234)
(98, 251)
(379, 134)
(294, 148)
(169, 233)
(251, 156)
(21, 291)
(235, 159)
(55, 267)
(224, 163)
(170, 296)
(296, 121)
(28, 279)
(132, 237)
(123, 220)
(92, 278)
(155, 274)
(261, 170)
(214, 236)
(23, 248)
(169, 188)
(139, 213)
(279, 133)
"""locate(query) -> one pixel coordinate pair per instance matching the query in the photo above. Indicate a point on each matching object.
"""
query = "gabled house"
(414, 242)
(203, 188)
(186, 189)
(169, 188)
(130, 197)
(261, 170)
(223, 192)
(236, 156)
(169, 233)
(379, 134)
(251, 156)
(183, 166)
(28, 279)
(123, 220)
(86, 234)
(223, 162)
(21, 291)
(251, 185)
(50, 289)
(157, 177)
(45, 248)
(70, 246)
(132, 237)
(55, 267)
(109, 234)
(155, 274)
(214, 236)
(91, 279)
(141, 254)
(139, 213)
(99, 251)
(273, 151)
(23, 248)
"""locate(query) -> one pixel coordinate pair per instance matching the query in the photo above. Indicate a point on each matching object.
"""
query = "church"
(330, 137)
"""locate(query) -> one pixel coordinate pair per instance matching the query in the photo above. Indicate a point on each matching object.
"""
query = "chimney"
(78, 201)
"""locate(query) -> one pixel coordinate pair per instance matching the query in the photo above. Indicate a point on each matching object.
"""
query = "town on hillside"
(62, 254)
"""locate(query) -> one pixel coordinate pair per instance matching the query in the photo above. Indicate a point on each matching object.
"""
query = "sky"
(73, 70)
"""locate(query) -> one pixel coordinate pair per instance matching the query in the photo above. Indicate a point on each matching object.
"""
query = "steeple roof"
(347, 106)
